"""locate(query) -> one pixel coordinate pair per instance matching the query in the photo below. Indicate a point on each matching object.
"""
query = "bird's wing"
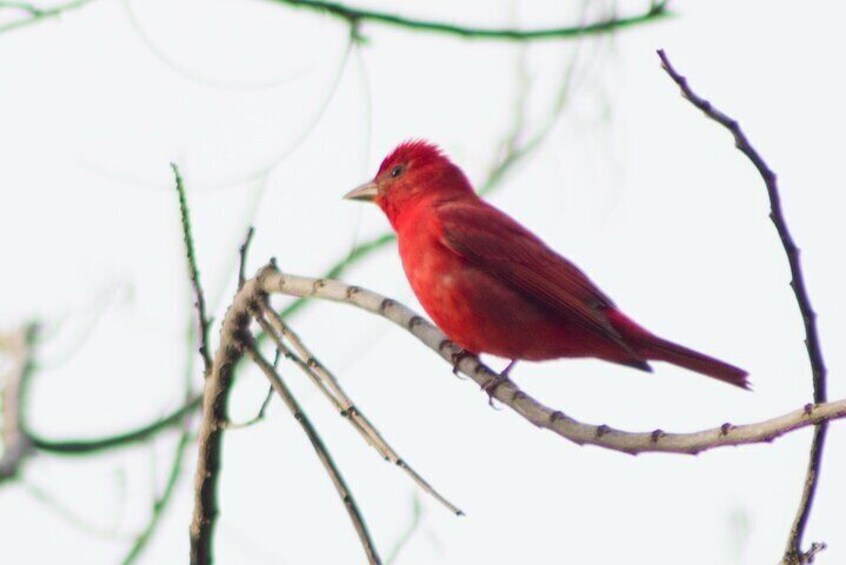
(494, 242)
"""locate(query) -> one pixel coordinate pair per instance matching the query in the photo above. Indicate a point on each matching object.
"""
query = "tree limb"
(271, 280)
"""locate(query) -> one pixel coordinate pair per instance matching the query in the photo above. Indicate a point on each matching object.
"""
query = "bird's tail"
(660, 349)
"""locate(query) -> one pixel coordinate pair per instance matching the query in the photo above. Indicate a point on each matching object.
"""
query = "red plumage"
(494, 287)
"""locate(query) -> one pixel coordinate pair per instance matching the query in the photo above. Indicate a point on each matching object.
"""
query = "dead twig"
(273, 326)
(322, 453)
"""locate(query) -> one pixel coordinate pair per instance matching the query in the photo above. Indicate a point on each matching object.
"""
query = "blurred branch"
(507, 392)
(35, 14)
(16, 443)
(275, 327)
(124, 439)
(357, 16)
(416, 515)
(322, 453)
(161, 501)
(793, 553)
(67, 514)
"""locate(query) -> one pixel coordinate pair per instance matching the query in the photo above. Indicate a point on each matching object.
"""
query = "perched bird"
(492, 286)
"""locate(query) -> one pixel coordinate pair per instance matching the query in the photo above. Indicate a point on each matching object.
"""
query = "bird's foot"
(456, 358)
(493, 384)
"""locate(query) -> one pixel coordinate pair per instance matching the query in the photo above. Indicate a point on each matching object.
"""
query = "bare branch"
(275, 327)
(16, 442)
(215, 402)
(793, 552)
(657, 441)
(193, 272)
(242, 253)
(323, 454)
(356, 16)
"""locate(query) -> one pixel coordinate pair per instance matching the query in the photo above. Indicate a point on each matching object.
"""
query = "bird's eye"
(396, 171)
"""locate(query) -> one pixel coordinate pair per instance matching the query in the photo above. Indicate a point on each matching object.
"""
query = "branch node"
(385, 304)
(351, 290)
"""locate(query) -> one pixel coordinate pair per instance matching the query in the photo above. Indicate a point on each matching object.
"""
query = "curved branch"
(125, 439)
(271, 280)
(793, 552)
(355, 16)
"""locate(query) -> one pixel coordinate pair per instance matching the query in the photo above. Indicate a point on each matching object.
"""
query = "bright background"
(272, 118)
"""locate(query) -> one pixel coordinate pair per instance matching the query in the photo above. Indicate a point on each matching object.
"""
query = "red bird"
(494, 287)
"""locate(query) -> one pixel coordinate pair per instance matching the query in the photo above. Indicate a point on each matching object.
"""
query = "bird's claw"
(456, 358)
(491, 386)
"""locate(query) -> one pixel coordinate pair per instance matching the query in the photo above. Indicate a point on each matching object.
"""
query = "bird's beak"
(366, 192)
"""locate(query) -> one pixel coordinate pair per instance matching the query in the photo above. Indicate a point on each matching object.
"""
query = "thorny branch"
(507, 392)
(193, 271)
(793, 553)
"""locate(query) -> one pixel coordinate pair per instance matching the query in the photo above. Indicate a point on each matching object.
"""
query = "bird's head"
(413, 173)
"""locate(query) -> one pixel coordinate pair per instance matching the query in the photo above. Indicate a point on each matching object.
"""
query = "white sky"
(633, 184)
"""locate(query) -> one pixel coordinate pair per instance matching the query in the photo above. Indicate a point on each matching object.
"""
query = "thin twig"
(357, 16)
(259, 415)
(161, 501)
(242, 253)
(416, 516)
(323, 454)
(793, 552)
(656, 441)
(67, 514)
(275, 327)
(193, 271)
